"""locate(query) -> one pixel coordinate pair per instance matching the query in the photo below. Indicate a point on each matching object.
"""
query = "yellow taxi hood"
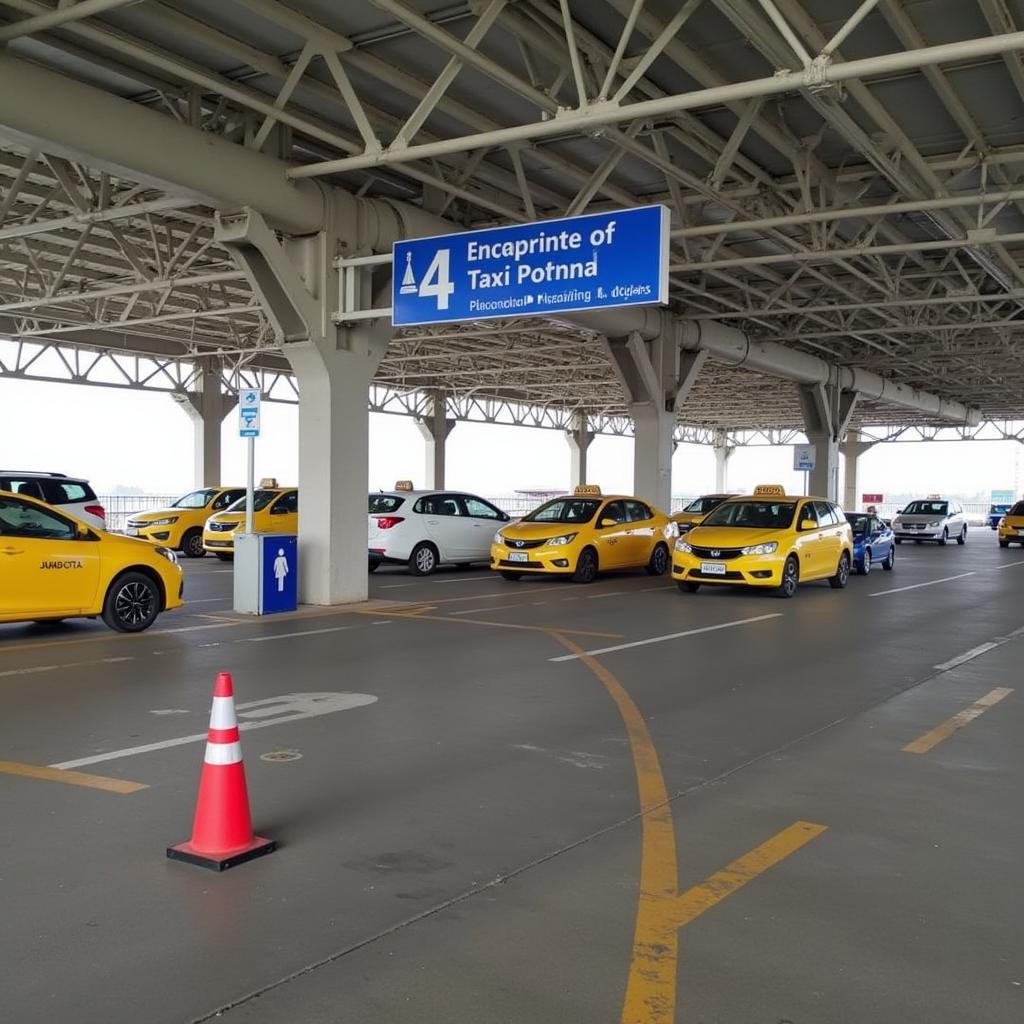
(731, 536)
(688, 517)
(540, 531)
(160, 513)
(228, 517)
(1013, 520)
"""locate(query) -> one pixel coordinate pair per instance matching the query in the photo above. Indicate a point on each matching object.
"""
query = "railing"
(120, 506)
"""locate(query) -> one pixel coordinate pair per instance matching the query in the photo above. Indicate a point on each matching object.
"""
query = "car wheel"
(423, 560)
(225, 557)
(658, 565)
(962, 539)
(192, 544)
(890, 559)
(790, 578)
(511, 576)
(842, 576)
(865, 563)
(688, 586)
(945, 536)
(132, 603)
(586, 567)
(1004, 543)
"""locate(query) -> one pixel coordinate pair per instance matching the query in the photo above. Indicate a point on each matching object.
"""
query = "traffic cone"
(222, 833)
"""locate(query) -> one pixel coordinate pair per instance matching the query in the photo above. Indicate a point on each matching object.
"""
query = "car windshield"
(1017, 510)
(927, 508)
(260, 500)
(769, 515)
(385, 503)
(858, 520)
(196, 499)
(700, 506)
(564, 510)
(999, 510)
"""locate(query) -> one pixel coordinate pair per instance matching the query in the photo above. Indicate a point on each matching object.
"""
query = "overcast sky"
(142, 439)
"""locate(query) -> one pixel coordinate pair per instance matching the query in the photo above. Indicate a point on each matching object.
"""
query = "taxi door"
(809, 542)
(612, 541)
(284, 513)
(642, 531)
(831, 536)
(45, 568)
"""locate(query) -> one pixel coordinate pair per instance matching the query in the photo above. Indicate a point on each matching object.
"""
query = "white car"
(425, 529)
(933, 518)
(69, 494)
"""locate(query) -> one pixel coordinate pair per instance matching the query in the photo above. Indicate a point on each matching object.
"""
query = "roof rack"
(30, 472)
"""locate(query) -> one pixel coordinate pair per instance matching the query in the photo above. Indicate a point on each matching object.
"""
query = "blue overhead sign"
(558, 266)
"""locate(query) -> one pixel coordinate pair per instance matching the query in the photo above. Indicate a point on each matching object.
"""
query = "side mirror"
(808, 524)
(504, 517)
(899, 511)
(605, 523)
(82, 532)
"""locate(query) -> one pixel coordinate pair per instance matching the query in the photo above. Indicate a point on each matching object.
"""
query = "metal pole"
(250, 485)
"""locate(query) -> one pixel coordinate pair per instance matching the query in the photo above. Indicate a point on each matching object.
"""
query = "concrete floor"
(469, 847)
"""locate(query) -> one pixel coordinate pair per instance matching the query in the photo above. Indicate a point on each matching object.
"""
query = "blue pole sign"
(596, 261)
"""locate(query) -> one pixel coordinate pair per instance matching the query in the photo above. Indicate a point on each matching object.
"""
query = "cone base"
(259, 847)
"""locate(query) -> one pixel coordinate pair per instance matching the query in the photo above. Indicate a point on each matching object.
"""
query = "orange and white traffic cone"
(222, 833)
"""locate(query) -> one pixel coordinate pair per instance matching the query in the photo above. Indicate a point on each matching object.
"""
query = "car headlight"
(566, 538)
(683, 547)
(498, 538)
(768, 548)
(161, 522)
(936, 523)
(168, 554)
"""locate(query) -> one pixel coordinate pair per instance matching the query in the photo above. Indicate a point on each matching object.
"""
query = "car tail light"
(386, 522)
(97, 510)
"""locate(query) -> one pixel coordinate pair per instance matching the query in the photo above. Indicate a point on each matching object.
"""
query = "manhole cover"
(281, 755)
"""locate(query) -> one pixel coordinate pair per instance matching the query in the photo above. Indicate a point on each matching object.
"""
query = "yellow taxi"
(697, 510)
(53, 566)
(180, 526)
(1011, 526)
(769, 539)
(582, 534)
(275, 510)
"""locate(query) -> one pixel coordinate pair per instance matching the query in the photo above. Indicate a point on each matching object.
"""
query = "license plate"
(518, 556)
(131, 531)
(712, 568)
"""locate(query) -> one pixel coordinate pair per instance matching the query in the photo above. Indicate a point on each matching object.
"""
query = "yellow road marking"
(694, 902)
(38, 771)
(651, 987)
(933, 737)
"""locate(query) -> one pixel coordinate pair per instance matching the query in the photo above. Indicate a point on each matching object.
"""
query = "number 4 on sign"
(436, 281)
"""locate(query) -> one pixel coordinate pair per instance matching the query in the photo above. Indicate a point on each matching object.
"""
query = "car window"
(825, 515)
(286, 503)
(384, 504)
(1017, 510)
(30, 488)
(877, 526)
(565, 510)
(769, 515)
(227, 498)
(927, 508)
(637, 511)
(614, 510)
(481, 509)
(196, 499)
(20, 519)
(858, 521)
(260, 500)
(809, 512)
(60, 492)
(703, 505)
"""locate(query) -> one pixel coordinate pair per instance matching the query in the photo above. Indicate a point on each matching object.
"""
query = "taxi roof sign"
(769, 491)
(268, 481)
(587, 490)
(403, 485)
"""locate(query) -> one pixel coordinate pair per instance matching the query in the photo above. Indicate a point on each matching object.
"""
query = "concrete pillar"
(827, 412)
(206, 408)
(435, 428)
(334, 365)
(579, 438)
(852, 448)
(723, 451)
(656, 377)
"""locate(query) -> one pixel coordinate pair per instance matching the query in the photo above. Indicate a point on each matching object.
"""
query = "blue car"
(873, 542)
(995, 513)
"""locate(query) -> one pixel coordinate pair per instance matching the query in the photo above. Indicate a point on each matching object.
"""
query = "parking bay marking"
(51, 774)
(671, 636)
(286, 636)
(50, 668)
(915, 586)
(970, 655)
(935, 736)
(255, 714)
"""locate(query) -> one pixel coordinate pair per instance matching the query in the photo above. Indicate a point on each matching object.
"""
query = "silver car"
(935, 518)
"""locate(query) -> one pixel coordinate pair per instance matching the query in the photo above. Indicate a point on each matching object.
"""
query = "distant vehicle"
(56, 567)
(425, 529)
(181, 525)
(275, 510)
(1011, 526)
(873, 542)
(70, 494)
(933, 518)
(584, 533)
(697, 510)
(995, 513)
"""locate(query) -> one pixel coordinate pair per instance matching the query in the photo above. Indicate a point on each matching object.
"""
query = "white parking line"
(51, 668)
(611, 593)
(671, 636)
(915, 586)
(974, 652)
(1009, 565)
(287, 636)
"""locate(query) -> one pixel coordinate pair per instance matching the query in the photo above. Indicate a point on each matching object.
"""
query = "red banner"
(872, 499)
